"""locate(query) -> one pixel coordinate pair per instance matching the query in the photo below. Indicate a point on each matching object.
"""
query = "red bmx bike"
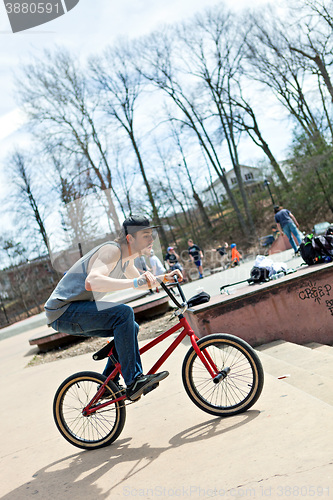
(221, 373)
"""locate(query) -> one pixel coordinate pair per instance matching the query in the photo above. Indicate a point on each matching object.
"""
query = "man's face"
(142, 240)
(190, 243)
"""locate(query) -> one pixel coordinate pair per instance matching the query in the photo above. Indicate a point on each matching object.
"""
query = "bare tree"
(245, 118)
(312, 172)
(24, 201)
(62, 108)
(77, 218)
(120, 86)
(213, 55)
(277, 66)
(157, 63)
(313, 38)
(168, 185)
(23, 285)
(177, 139)
(322, 8)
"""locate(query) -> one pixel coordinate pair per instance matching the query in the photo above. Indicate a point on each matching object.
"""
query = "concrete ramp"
(281, 244)
(296, 308)
(310, 370)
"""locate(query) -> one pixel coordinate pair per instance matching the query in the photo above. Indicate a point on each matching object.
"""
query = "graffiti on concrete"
(329, 305)
(315, 292)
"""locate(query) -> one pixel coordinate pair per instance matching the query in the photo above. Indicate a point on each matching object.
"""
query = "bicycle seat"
(103, 353)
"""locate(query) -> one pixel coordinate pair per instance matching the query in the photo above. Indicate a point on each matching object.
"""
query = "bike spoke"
(233, 389)
(93, 427)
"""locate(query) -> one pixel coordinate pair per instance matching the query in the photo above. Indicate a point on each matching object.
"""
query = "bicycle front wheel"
(240, 375)
(94, 431)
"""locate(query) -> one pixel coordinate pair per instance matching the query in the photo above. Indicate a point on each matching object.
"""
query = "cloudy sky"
(87, 29)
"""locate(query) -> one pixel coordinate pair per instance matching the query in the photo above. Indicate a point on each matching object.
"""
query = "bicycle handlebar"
(180, 290)
(172, 297)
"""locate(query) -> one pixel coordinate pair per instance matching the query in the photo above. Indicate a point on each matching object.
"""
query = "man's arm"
(102, 265)
(294, 219)
(98, 279)
(131, 271)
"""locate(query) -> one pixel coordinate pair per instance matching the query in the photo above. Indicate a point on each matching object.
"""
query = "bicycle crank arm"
(221, 375)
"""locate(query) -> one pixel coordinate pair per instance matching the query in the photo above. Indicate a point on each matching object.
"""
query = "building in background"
(252, 178)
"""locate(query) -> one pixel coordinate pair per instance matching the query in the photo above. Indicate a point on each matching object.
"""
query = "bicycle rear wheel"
(241, 380)
(100, 428)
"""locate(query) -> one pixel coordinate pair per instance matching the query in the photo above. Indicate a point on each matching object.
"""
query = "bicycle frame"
(186, 331)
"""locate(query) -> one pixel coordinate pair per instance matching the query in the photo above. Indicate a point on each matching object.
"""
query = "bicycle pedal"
(151, 388)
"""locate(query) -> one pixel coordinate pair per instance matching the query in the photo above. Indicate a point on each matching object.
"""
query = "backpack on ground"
(259, 275)
(323, 245)
(308, 252)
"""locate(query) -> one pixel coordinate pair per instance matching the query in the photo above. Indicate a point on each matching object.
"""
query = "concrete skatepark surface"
(281, 447)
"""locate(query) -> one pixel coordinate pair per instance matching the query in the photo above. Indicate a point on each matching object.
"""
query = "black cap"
(329, 231)
(135, 223)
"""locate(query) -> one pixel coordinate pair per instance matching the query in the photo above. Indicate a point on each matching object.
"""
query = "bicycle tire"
(241, 387)
(99, 429)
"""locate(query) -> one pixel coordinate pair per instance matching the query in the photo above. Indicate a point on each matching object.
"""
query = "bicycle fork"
(207, 361)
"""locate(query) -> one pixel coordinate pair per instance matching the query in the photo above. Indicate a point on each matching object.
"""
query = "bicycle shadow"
(77, 474)
(210, 429)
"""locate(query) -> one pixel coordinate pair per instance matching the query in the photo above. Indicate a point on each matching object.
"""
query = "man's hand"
(169, 277)
(149, 277)
(149, 280)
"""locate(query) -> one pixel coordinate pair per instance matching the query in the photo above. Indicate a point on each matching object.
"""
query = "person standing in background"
(196, 256)
(235, 255)
(222, 251)
(156, 265)
(288, 225)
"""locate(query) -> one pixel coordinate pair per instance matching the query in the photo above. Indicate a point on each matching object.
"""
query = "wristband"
(135, 283)
(165, 280)
(141, 281)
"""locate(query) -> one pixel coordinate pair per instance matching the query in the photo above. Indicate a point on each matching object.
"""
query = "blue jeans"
(84, 318)
(289, 229)
(176, 266)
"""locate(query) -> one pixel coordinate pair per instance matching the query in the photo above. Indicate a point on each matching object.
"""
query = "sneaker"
(144, 384)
